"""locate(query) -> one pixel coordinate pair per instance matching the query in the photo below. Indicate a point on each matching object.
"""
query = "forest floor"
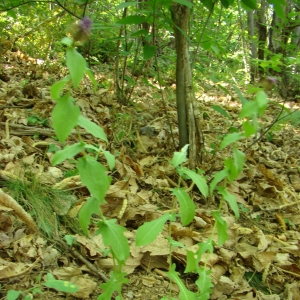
(260, 259)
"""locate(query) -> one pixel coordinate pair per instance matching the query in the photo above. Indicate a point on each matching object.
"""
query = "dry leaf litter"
(263, 243)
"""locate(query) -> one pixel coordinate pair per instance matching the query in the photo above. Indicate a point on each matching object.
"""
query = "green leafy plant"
(149, 231)
(122, 129)
(94, 176)
(35, 120)
(51, 282)
(92, 173)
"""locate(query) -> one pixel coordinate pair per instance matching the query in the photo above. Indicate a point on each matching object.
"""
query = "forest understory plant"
(50, 282)
(66, 116)
(94, 175)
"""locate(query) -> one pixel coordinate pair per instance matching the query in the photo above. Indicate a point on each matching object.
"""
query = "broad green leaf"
(92, 78)
(67, 153)
(114, 238)
(239, 159)
(49, 276)
(65, 117)
(10, 13)
(294, 118)
(249, 109)
(93, 176)
(250, 3)
(149, 231)
(192, 262)
(278, 7)
(149, 51)
(230, 199)
(70, 239)
(280, 12)
(239, 93)
(92, 148)
(139, 33)
(67, 41)
(221, 87)
(110, 159)
(132, 20)
(209, 4)
(221, 227)
(165, 3)
(76, 65)
(13, 295)
(186, 206)
(255, 122)
(262, 101)
(218, 177)
(92, 128)
(184, 293)
(60, 285)
(174, 243)
(233, 129)
(126, 4)
(198, 180)
(206, 45)
(57, 87)
(185, 3)
(115, 282)
(179, 157)
(230, 138)
(225, 3)
(216, 49)
(222, 111)
(232, 172)
(204, 247)
(108, 289)
(204, 283)
(249, 129)
(35, 291)
(92, 206)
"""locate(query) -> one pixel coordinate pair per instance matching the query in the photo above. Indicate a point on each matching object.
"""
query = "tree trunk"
(188, 124)
(180, 18)
(262, 32)
(251, 34)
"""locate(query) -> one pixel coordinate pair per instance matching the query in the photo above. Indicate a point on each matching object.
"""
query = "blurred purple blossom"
(85, 24)
(80, 31)
(273, 80)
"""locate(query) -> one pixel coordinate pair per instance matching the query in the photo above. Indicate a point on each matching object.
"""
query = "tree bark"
(262, 32)
(251, 34)
(188, 123)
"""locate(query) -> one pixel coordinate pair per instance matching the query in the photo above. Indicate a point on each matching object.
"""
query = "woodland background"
(168, 73)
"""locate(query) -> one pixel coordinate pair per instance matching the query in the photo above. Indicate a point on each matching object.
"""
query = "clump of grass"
(49, 207)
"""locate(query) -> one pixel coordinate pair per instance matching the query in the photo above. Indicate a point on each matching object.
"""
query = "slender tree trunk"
(188, 124)
(251, 34)
(245, 57)
(295, 40)
(274, 35)
(262, 32)
(180, 19)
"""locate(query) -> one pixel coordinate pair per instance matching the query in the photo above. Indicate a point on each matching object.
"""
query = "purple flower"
(81, 31)
(273, 80)
(85, 24)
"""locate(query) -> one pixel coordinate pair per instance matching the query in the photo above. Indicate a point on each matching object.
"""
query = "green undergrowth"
(67, 117)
